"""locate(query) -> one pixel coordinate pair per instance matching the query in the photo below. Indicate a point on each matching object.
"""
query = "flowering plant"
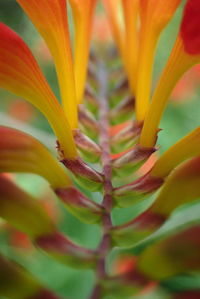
(96, 171)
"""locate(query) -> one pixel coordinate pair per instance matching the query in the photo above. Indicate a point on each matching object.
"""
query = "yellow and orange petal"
(20, 152)
(181, 186)
(131, 13)
(20, 74)
(186, 148)
(112, 11)
(185, 54)
(155, 15)
(50, 19)
(83, 14)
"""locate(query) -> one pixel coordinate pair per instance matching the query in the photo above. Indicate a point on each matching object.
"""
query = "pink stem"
(105, 243)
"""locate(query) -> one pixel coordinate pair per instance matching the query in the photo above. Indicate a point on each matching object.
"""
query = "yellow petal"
(187, 147)
(181, 186)
(131, 11)
(83, 12)
(20, 152)
(155, 15)
(185, 54)
(112, 11)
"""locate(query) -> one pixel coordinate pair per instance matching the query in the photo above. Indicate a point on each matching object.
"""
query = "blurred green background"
(181, 116)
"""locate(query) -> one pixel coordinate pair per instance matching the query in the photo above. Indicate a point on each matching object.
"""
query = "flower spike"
(83, 11)
(155, 15)
(185, 54)
(50, 19)
(20, 152)
(20, 74)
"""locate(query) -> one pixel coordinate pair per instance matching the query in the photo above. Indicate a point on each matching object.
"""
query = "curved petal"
(20, 74)
(181, 186)
(155, 15)
(20, 152)
(111, 7)
(50, 19)
(83, 12)
(185, 54)
(131, 12)
(185, 148)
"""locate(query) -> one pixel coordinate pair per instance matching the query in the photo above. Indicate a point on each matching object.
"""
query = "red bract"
(190, 27)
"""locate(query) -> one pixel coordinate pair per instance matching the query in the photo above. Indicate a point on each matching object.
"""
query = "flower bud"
(65, 251)
(87, 123)
(130, 194)
(90, 100)
(136, 230)
(126, 138)
(88, 149)
(131, 160)
(79, 205)
(121, 87)
(123, 111)
(84, 174)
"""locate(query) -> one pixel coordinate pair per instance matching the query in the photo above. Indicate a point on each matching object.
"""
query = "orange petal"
(131, 10)
(155, 15)
(83, 12)
(186, 148)
(181, 186)
(112, 10)
(185, 54)
(20, 74)
(50, 19)
(20, 152)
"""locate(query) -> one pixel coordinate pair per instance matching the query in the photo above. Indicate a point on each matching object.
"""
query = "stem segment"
(105, 244)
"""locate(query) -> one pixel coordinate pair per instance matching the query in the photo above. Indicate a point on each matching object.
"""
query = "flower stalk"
(106, 133)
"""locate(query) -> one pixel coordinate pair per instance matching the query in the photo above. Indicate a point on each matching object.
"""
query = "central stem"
(105, 243)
